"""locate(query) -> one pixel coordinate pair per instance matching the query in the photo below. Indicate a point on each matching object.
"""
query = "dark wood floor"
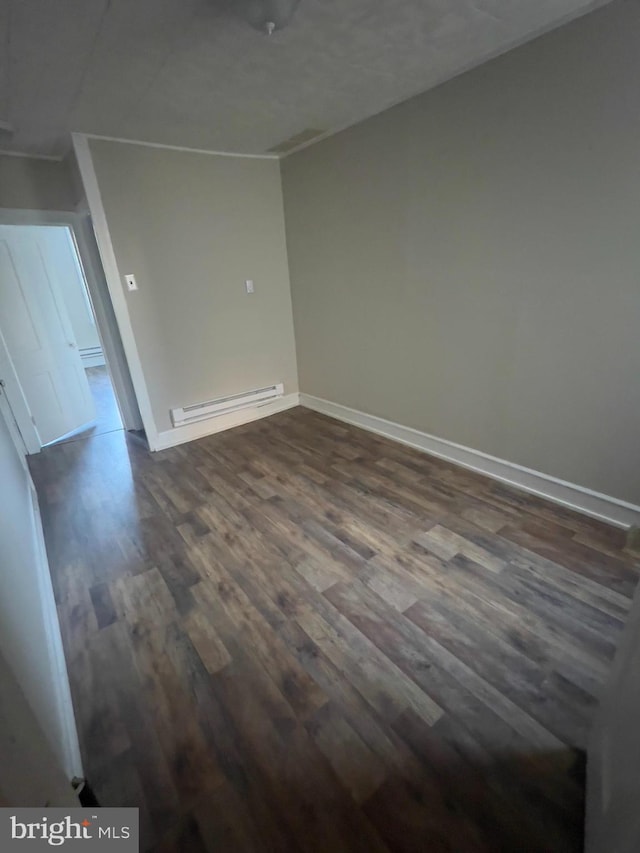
(298, 636)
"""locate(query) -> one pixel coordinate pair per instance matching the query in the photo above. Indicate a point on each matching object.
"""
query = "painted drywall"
(467, 263)
(29, 772)
(64, 264)
(30, 641)
(613, 757)
(192, 228)
(27, 183)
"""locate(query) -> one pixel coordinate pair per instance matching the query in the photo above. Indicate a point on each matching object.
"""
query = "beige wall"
(30, 184)
(192, 228)
(468, 263)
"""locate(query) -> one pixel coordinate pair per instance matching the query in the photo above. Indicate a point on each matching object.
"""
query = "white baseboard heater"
(225, 405)
(92, 356)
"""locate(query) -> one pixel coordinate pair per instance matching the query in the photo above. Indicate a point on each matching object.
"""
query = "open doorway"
(53, 360)
(62, 253)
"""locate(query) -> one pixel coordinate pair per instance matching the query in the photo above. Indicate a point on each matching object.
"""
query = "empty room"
(319, 425)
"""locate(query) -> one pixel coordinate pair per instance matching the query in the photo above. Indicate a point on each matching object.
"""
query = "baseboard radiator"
(92, 356)
(224, 405)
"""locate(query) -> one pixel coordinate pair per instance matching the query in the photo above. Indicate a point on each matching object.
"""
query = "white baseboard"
(594, 504)
(200, 429)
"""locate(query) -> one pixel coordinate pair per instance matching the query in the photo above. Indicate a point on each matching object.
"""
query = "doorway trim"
(13, 395)
(114, 283)
(106, 322)
(78, 224)
(7, 411)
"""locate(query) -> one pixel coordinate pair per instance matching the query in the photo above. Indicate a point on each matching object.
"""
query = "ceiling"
(194, 73)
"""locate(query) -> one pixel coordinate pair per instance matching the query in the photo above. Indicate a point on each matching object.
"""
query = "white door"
(39, 339)
(613, 759)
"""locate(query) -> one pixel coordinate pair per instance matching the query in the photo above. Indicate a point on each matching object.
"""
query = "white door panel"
(39, 338)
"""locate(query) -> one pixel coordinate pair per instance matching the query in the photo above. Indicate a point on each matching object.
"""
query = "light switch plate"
(249, 285)
(131, 282)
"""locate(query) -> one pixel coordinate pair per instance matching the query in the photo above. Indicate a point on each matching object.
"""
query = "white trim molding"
(179, 147)
(113, 352)
(200, 429)
(112, 275)
(52, 158)
(20, 216)
(92, 356)
(7, 414)
(19, 414)
(594, 504)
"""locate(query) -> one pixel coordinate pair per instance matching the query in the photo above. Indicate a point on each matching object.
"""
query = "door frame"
(7, 411)
(13, 395)
(114, 280)
(79, 225)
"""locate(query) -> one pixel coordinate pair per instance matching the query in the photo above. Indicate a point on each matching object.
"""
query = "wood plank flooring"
(297, 636)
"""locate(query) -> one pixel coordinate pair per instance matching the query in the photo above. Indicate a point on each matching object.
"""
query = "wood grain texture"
(297, 636)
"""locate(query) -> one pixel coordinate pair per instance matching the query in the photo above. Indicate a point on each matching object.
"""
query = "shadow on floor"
(457, 805)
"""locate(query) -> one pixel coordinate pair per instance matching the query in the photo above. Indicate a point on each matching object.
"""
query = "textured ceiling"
(194, 73)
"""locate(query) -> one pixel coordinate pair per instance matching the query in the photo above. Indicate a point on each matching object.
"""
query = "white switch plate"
(131, 282)
(249, 285)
